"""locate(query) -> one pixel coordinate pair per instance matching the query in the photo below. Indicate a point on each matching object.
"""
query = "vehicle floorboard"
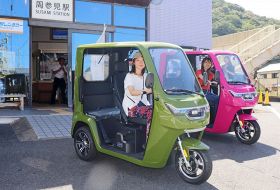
(139, 155)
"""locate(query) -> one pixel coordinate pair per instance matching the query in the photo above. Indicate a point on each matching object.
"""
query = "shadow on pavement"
(226, 146)
(7, 134)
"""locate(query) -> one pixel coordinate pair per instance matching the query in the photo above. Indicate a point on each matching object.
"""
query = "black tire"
(84, 144)
(189, 174)
(251, 134)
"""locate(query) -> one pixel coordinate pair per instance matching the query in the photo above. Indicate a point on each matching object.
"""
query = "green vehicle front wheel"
(84, 144)
(200, 167)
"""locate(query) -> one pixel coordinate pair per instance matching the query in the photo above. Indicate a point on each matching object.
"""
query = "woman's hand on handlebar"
(147, 91)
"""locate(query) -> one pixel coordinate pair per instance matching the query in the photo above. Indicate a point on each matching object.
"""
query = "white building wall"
(182, 22)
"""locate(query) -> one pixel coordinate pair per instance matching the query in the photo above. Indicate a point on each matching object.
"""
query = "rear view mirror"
(205, 78)
(149, 83)
(217, 76)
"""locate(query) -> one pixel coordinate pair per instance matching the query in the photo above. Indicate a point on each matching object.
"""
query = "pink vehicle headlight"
(245, 96)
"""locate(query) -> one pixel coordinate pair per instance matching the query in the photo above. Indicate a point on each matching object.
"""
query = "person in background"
(228, 69)
(212, 98)
(59, 72)
(173, 77)
(135, 103)
(205, 67)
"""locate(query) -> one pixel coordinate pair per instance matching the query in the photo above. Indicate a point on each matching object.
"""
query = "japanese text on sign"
(11, 25)
(53, 9)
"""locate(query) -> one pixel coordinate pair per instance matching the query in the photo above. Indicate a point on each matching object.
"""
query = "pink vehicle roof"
(209, 52)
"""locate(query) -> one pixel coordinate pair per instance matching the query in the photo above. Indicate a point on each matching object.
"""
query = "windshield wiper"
(237, 82)
(184, 91)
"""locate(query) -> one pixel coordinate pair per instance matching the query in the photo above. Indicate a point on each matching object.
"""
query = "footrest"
(130, 140)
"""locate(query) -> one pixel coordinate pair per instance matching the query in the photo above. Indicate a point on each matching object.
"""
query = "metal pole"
(258, 80)
(277, 84)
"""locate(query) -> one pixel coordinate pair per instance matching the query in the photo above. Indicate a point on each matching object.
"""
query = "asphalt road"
(53, 164)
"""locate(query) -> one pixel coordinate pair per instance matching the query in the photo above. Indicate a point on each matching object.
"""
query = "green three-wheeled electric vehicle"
(180, 111)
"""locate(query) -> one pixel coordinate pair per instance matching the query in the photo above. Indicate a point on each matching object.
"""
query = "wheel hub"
(195, 168)
(193, 165)
(247, 132)
(85, 143)
(82, 143)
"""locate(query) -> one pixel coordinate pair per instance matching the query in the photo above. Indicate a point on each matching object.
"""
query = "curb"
(274, 99)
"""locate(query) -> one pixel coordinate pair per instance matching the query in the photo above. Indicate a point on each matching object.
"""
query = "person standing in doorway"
(59, 72)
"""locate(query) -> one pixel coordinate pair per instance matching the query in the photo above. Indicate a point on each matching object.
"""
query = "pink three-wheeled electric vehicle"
(231, 95)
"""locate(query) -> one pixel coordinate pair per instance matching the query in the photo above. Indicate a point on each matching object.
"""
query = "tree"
(229, 18)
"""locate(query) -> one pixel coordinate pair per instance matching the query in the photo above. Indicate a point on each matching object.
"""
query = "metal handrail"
(244, 44)
(256, 48)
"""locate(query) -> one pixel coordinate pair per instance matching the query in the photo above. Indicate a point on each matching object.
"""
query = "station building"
(35, 33)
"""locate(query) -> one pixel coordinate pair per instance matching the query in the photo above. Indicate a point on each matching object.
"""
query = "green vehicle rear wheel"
(200, 166)
(84, 144)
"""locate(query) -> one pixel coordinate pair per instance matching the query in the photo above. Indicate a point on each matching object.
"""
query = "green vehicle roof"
(128, 44)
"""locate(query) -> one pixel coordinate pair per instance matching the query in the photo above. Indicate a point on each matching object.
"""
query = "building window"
(90, 12)
(14, 51)
(264, 76)
(129, 16)
(274, 75)
(122, 34)
(18, 8)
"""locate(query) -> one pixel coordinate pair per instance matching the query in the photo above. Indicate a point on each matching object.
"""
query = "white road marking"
(275, 112)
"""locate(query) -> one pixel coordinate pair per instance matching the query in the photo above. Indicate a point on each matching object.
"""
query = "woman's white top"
(138, 82)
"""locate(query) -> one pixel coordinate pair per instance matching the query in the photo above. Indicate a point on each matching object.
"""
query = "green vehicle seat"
(121, 69)
(105, 113)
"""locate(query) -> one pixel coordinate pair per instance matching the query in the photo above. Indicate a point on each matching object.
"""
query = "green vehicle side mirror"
(149, 83)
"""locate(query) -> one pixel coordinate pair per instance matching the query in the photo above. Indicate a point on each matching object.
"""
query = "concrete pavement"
(53, 164)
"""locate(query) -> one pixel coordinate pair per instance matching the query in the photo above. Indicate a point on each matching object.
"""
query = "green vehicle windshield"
(174, 71)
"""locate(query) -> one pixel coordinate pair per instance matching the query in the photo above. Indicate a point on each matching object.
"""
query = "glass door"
(76, 38)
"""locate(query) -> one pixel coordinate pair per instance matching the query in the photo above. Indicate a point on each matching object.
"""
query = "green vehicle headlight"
(193, 113)
(176, 111)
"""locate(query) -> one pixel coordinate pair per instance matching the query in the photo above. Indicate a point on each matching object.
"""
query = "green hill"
(230, 18)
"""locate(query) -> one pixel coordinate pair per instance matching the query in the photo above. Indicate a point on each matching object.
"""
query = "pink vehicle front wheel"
(250, 133)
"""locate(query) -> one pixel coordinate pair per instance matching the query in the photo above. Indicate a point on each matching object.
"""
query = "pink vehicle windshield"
(232, 69)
